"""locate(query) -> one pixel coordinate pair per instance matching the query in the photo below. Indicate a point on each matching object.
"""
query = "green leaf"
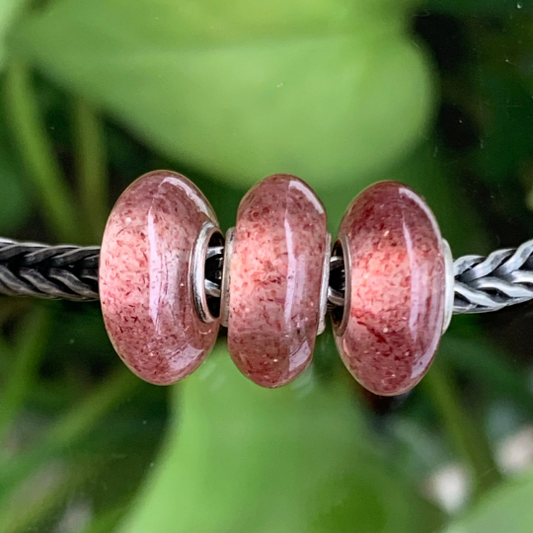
(9, 9)
(15, 206)
(33, 335)
(15, 200)
(504, 8)
(298, 459)
(25, 120)
(505, 509)
(490, 367)
(329, 89)
(508, 136)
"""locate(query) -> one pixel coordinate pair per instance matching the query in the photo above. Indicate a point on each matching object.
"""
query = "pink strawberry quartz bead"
(277, 280)
(145, 287)
(395, 288)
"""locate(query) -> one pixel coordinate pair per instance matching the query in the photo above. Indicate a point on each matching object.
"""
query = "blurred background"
(437, 94)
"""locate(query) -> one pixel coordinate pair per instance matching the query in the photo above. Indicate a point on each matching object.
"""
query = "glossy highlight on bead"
(395, 288)
(145, 278)
(275, 280)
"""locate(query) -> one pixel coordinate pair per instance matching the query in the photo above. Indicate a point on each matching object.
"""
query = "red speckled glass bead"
(276, 277)
(145, 287)
(395, 295)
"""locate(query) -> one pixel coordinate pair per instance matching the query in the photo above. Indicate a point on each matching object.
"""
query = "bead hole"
(213, 271)
(337, 282)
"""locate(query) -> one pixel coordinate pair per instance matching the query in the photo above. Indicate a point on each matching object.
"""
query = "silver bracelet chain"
(482, 284)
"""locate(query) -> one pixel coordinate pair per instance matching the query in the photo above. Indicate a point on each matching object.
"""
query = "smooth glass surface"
(145, 278)
(276, 280)
(397, 285)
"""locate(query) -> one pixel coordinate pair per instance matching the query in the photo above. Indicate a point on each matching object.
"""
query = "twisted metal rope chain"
(32, 269)
(503, 278)
(482, 284)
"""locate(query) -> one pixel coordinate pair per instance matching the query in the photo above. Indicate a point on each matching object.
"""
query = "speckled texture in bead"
(397, 288)
(144, 284)
(275, 280)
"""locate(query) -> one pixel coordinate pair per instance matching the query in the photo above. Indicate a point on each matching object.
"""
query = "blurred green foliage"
(244, 80)
(93, 93)
(300, 432)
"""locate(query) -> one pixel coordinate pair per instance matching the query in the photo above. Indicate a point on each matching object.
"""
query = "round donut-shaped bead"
(276, 280)
(145, 278)
(395, 294)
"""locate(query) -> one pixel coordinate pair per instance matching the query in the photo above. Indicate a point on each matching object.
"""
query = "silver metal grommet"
(226, 275)
(323, 306)
(341, 313)
(449, 295)
(208, 233)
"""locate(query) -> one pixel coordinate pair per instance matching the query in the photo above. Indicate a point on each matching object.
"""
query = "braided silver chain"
(482, 284)
(32, 269)
(503, 278)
